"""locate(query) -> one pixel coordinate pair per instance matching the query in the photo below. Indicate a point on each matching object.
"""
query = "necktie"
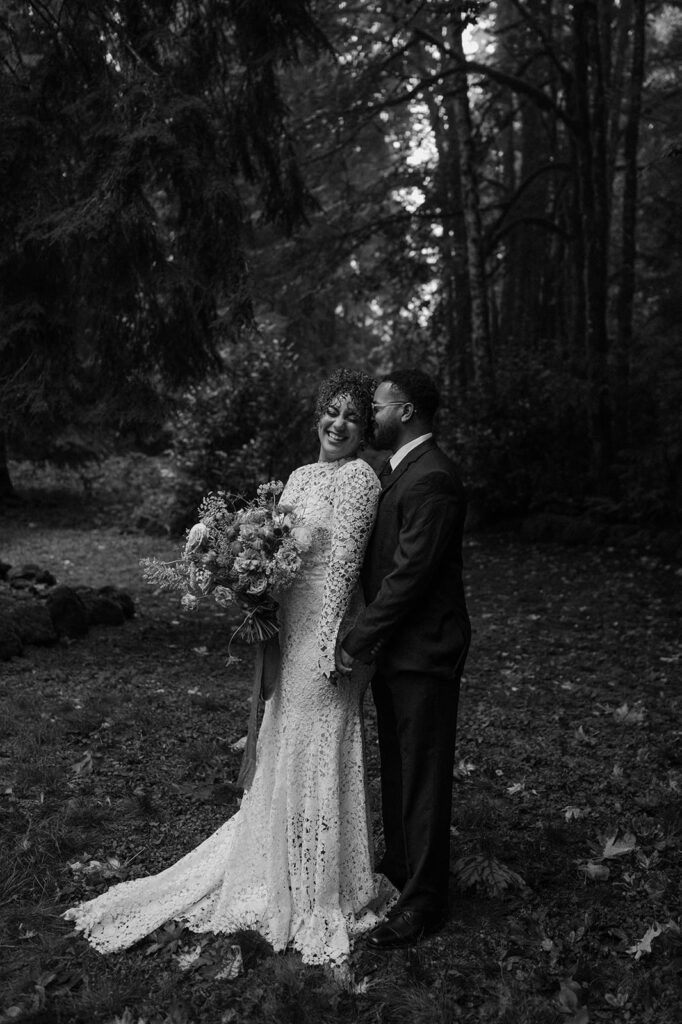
(386, 471)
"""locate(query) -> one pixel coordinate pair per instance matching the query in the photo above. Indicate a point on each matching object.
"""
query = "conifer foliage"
(129, 128)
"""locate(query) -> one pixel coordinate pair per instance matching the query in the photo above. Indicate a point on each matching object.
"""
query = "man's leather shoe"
(402, 929)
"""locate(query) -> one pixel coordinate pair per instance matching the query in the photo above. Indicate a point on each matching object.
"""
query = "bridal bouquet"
(238, 554)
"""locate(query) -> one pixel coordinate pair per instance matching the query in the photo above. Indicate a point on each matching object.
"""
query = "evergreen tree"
(130, 131)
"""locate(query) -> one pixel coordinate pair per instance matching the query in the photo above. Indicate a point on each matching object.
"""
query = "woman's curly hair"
(356, 385)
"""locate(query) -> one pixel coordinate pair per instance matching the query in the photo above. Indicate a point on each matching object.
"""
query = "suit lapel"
(409, 459)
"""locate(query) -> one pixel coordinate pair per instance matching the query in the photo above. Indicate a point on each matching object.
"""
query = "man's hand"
(344, 661)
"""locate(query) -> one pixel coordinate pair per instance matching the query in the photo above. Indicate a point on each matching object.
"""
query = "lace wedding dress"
(295, 862)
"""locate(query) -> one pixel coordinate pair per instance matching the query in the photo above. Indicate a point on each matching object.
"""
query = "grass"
(115, 758)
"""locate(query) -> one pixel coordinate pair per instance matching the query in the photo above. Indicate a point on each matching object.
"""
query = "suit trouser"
(417, 720)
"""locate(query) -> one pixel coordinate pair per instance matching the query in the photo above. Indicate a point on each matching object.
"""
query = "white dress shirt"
(398, 456)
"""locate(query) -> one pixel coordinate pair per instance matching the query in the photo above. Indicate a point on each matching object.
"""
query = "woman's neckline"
(335, 462)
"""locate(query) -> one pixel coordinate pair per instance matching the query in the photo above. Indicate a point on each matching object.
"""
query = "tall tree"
(384, 270)
(628, 279)
(591, 80)
(130, 131)
(480, 314)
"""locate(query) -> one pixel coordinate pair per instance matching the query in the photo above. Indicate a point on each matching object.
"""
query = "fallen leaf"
(597, 872)
(581, 735)
(45, 979)
(187, 958)
(626, 715)
(127, 1018)
(644, 944)
(569, 992)
(84, 765)
(616, 848)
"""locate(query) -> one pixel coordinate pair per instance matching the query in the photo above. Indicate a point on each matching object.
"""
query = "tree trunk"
(460, 344)
(480, 316)
(7, 492)
(508, 301)
(626, 290)
(454, 319)
(591, 153)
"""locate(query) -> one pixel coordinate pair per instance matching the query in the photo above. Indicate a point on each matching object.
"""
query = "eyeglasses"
(376, 407)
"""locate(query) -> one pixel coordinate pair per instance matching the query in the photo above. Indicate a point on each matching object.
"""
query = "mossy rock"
(10, 641)
(67, 611)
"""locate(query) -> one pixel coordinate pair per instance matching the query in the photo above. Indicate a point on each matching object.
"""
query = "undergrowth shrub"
(249, 423)
(528, 448)
(523, 447)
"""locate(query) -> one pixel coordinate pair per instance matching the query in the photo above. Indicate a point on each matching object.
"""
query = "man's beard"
(386, 437)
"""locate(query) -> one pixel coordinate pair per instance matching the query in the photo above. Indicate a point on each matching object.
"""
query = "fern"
(167, 576)
(482, 871)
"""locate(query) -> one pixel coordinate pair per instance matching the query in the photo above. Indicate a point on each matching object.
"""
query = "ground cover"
(116, 756)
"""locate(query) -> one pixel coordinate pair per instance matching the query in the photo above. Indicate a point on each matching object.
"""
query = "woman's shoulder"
(359, 471)
(302, 471)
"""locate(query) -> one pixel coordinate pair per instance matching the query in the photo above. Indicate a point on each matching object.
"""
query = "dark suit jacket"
(416, 619)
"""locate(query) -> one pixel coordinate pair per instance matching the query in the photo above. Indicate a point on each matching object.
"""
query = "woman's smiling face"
(339, 429)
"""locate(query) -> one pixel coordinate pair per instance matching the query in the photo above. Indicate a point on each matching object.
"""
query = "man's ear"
(409, 413)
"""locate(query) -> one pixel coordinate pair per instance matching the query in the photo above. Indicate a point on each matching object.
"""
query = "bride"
(295, 863)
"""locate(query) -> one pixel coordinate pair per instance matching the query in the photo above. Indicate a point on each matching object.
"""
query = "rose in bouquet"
(239, 554)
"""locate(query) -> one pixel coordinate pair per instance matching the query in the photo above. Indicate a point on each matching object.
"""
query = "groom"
(416, 629)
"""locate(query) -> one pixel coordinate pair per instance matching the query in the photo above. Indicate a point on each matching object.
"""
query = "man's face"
(388, 408)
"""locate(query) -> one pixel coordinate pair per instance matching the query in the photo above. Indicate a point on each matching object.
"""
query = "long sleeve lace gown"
(295, 862)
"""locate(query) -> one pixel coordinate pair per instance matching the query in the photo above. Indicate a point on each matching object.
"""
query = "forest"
(207, 205)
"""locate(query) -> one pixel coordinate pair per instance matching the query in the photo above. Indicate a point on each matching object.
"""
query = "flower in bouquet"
(239, 554)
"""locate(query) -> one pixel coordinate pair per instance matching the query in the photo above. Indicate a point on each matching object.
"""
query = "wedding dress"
(295, 862)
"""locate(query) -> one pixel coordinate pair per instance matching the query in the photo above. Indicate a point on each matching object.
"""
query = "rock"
(35, 625)
(10, 600)
(10, 642)
(120, 596)
(31, 572)
(4, 569)
(87, 598)
(30, 619)
(67, 611)
(151, 524)
(101, 609)
(27, 586)
(32, 614)
(22, 572)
